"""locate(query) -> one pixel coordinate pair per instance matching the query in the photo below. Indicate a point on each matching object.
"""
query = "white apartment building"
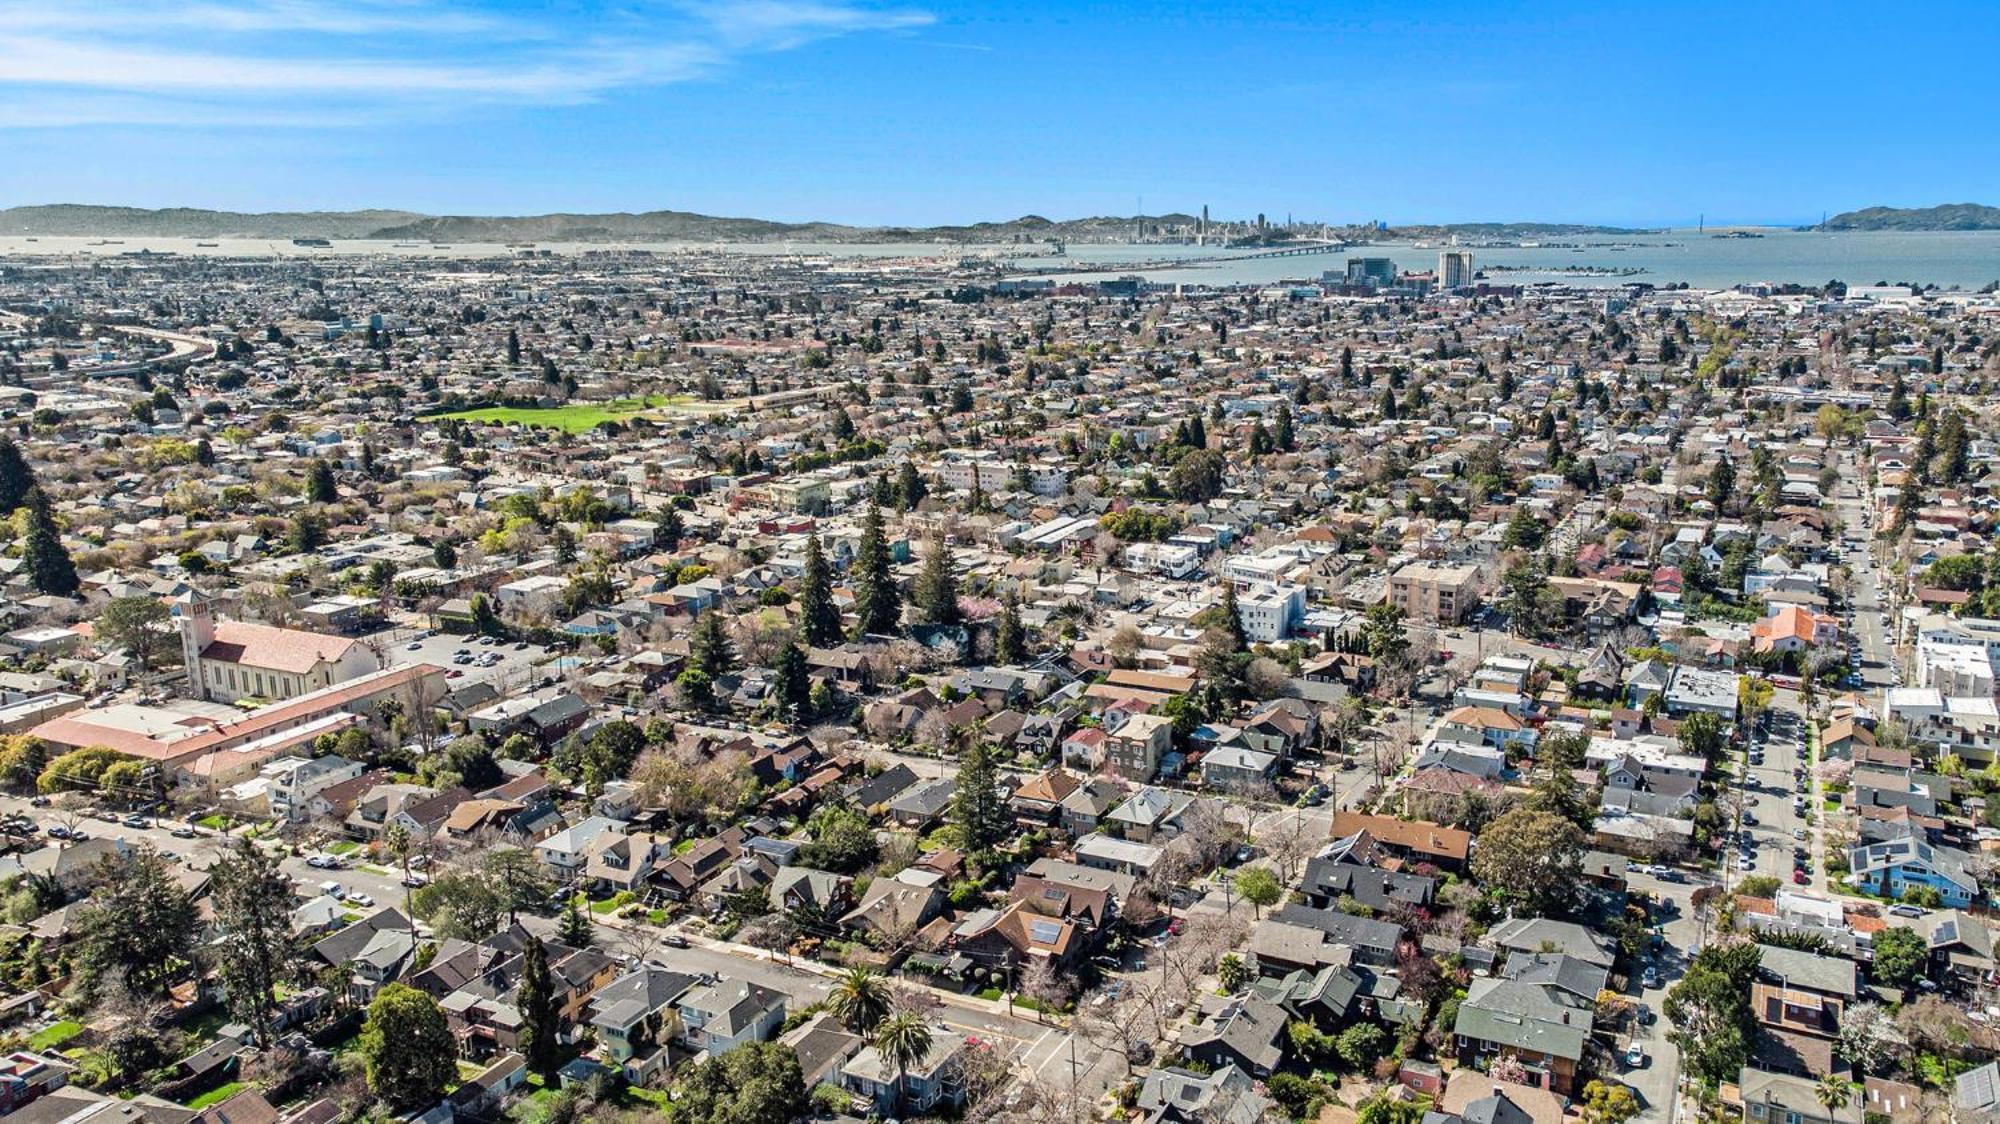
(1269, 612)
(1955, 669)
(1966, 725)
(960, 470)
(1957, 655)
(1164, 559)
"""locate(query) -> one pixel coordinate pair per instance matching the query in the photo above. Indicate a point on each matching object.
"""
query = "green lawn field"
(583, 416)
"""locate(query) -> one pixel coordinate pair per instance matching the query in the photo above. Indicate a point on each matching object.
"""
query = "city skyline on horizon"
(923, 114)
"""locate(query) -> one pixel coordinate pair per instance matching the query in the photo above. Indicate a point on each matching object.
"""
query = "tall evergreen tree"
(819, 617)
(937, 586)
(877, 601)
(910, 490)
(668, 528)
(709, 649)
(979, 803)
(792, 691)
(1260, 440)
(50, 569)
(1721, 482)
(574, 928)
(1952, 447)
(541, 1018)
(253, 912)
(16, 478)
(1197, 432)
(1907, 499)
(319, 483)
(1232, 619)
(1009, 642)
(1286, 439)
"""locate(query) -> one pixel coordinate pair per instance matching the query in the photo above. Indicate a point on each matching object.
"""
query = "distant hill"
(646, 226)
(1945, 216)
(79, 220)
(410, 226)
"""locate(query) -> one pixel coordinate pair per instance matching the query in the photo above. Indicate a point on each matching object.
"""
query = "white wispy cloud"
(260, 62)
(782, 24)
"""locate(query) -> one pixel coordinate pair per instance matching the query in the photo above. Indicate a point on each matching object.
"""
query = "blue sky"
(913, 111)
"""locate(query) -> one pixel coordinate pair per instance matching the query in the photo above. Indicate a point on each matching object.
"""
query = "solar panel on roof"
(1044, 932)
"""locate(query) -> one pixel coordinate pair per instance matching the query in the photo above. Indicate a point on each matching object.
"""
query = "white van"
(330, 889)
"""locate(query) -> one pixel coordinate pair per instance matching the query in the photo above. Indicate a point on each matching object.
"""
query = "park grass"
(216, 1095)
(54, 1035)
(580, 417)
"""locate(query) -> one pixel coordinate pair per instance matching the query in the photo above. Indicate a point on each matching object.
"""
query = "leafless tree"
(1288, 842)
(1185, 960)
(1266, 678)
(917, 1001)
(1041, 982)
(773, 932)
(419, 699)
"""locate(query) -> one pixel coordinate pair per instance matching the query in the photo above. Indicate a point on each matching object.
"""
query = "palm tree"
(396, 838)
(1834, 1091)
(904, 1039)
(859, 999)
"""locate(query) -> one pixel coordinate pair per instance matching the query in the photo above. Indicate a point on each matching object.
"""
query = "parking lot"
(509, 665)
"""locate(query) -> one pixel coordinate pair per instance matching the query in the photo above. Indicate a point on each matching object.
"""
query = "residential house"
(1150, 815)
(1135, 749)
(1892, 867)
(1541, 1025)
(934, 1081)
(721, 1015)
(1247, 1032)
(1038, 800)
(631, 1017)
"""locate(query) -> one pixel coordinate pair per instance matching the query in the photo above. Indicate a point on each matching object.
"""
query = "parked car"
(1649, 978)
(674, 940)
(136, 821)
(1635, 1056)
(1906, 910)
